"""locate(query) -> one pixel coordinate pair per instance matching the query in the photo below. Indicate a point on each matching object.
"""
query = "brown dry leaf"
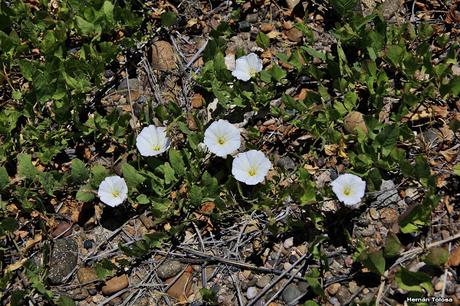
(446, 133)
(449, 207)
(207, 207)
(310, 168)
(422, 113)
(450, 155)
(16, 265)
(331, 149)
(197, 100)
(31, 242)
(181, 289)
(441, 111)
(454, 258)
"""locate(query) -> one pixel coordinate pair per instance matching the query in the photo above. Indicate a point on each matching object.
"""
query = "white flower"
(251, 167)
(113, 191)
(247, 67)
(349, 188)
(222, 138)
(152, 141)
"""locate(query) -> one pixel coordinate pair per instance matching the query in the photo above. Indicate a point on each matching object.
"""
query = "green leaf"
(394, 54)
(142, 199)
(85, 26)
(132, 176)
(25, 167)
(17, 95)
(8, 225)
(310, 303)
(85, 193)
(437, 256)
(169, 173)
(107, 8)
(26, 69)
(312, 279)
(277, 72)
(262, 40)
(374, 261)
(79, 172)
(168, 19)
(4, 178)
(413, 281)
(421, 169)
(392, 246)
(65, 301)
(457, 169)
(177, 162)
(105, 268)
(154, 240)
(98, 174)
(344, 7)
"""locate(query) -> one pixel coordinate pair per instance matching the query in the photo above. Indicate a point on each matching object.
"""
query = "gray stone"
(291, 293)
(288, 243)
(63, 259)
(263, 281)
(251, 292)
(244, 26)
(252, 18)
(133, 84)
(343, 295)
(169, 269)
(387, 195)
(286, 163)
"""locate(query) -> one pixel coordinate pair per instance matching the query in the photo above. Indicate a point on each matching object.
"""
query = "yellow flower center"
(347, 190)
(252, 72)
(156, 148)
(252, 172)
(115, 193)
(221, 140)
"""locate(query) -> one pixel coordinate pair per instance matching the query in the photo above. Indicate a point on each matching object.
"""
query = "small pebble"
(263, 281)
(87, 244)
(251, 292)
(439, 285)
(333, 288)
(288, 243)
(374, 213)
(287, 266)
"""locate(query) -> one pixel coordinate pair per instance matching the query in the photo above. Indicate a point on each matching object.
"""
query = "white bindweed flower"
(222, 138)
(113, 191)
(152, 141)
(349, 188)
(247, 66)
(251, 167)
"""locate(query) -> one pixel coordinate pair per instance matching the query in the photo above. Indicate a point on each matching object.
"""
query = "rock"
(343, 295)
(333, 288)
(287, 266)
(374, 214)
(390, 7)
(163, 56)
(354, 121)
(263, 281)
(115, 284)
(251, 293)
(78, 294)
(169, 269)
(292, 3)
(388, 194)
(288, 243)
(134, 84)
(63, 259)
(450, 288)
(389, 215)
(252, 18)
(87, 244)
(244, 26)
(286, 163)
(92, 291)
(63, 228)
(147, 221)
(86, 275)
(369, 231)
(294, 35)
(266, 27)
(353, 287)
(197, 100)
(334, 301)
(290, 293)
(439, 285)
(181, 289)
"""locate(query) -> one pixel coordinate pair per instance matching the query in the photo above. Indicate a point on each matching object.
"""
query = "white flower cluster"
(223, 138)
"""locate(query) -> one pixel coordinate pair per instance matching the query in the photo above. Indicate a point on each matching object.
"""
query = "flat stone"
(354, 121)
(63, 259)
(388, 194)
(163, 56)
(251, 293)
(266, 27)
(343, 295)
(86, 275)
(290, 293)
(169, 269)
(115, 284)
(244, 26)
(252, 18)
(294, 35)
(181, 288)
(263, 281)
(288, 243)
(286, 163)
(134, 84)
(333, 289)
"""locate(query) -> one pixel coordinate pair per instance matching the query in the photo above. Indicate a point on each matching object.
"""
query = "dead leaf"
(16, 265)
(441, 111)
(454, 258)
(207, 207)
(181, 289)
(31, 242)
